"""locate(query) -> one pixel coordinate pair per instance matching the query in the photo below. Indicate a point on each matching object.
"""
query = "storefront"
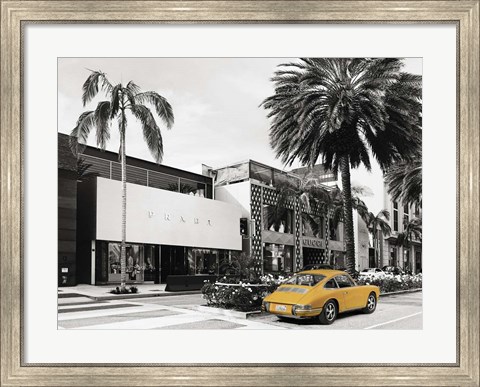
(154, 263)
(168, 233)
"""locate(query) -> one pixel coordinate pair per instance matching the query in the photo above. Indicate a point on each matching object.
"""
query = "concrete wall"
(162, 217)
(237, 194)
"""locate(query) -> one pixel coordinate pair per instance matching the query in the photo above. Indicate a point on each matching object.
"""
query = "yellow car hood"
(288, 294)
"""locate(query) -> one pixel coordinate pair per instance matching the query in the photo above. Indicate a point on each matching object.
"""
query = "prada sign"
(314, 243)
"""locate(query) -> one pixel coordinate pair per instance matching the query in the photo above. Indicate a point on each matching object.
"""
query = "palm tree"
(411, 232)
(376, 223)
(345, 110)
(404, 180)
(121, 100)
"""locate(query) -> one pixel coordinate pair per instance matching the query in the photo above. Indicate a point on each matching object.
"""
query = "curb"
(111, 297)
(227, 312)
(400, 292)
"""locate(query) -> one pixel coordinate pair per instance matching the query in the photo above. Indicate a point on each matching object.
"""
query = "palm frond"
(151, 131)
(90, 87)
(135, 89)
(79, 134)
(162, 106)
(102, 122)
(115, 101)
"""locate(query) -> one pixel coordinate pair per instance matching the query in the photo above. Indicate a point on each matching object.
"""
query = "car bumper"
(287, 311)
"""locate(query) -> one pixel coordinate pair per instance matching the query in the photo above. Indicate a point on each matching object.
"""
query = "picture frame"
(16, 14)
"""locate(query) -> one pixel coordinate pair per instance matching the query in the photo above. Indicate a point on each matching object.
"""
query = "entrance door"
(172, 260)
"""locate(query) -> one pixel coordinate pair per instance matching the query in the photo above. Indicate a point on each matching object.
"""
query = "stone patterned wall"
(314, 256)
(298, 237)
(256, 234)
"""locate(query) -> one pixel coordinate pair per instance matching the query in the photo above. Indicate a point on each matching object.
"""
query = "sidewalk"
(98, 293)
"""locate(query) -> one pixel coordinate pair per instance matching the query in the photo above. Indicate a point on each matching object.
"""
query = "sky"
(216, 103)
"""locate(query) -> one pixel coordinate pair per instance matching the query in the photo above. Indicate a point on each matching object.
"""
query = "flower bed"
(233, 293)
(393, 283)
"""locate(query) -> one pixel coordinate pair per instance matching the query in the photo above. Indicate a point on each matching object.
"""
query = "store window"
(406, 217)
(149, 259)
(277, 219)
(261, 173)
(134, 262)
(206, 261)
(395, 216)
(277, 258)
(393, 256)
(333, 230)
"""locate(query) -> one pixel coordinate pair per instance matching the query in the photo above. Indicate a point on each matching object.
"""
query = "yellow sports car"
(321, 294)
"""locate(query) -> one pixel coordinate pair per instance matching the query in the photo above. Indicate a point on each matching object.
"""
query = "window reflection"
(134, 262)
(277, 258)
(277, 219)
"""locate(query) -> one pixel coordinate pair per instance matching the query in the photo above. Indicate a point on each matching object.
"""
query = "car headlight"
(265, 306)
(301, 308)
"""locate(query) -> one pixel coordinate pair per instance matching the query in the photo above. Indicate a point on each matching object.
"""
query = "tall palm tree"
(411, 232)
(344, 110)
(376, 223)
(121, 100)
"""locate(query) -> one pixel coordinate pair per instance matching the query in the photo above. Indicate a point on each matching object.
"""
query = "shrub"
(133, 289)
(393, 283)
(119, 290)
(232, 293)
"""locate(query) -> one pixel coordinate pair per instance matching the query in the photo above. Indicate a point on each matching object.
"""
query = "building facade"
(174, 227)
(279, 239)
(181, 223)
(408, 256)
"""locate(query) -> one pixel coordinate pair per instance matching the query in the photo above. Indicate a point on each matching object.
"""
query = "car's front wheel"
(329, 313)
(371, 304)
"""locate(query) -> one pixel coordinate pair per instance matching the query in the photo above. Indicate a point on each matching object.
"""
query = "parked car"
(372, 272)
(395, 270)
(321, 295)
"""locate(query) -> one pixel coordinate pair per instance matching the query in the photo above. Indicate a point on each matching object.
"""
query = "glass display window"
(277, 258)
(134, 262)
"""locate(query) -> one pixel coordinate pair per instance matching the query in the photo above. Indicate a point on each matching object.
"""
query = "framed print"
(100, 223)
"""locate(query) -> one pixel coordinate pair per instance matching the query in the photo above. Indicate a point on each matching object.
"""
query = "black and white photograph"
(240, 193)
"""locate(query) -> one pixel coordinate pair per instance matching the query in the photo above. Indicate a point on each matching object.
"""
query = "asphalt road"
(181, 312)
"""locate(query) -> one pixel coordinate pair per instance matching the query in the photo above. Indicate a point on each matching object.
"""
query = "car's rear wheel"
(371, 304)
(329, 313)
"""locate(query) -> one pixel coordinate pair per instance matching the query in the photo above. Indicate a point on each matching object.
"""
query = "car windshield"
(305, 279)
(368, 271)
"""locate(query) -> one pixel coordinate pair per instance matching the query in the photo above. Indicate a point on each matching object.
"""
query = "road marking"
(392, 321)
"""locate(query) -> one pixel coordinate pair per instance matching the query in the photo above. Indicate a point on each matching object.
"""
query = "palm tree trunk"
(347, 213)
(327, 237)
(123, 257)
